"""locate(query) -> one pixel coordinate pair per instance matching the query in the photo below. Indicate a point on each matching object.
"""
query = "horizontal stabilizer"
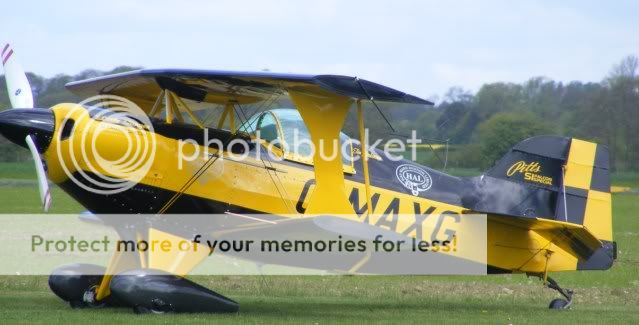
(564, 234)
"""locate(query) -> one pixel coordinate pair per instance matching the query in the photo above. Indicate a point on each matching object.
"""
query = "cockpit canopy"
(284, 132)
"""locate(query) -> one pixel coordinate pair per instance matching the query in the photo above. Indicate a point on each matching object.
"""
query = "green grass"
(26, 199)
(15, 170)
(346, 299)
(630, 179)
(600, 296)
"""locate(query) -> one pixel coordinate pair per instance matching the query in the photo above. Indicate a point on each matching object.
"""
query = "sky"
(420, 47)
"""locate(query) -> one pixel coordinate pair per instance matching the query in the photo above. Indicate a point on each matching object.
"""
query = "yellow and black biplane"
(547, 201)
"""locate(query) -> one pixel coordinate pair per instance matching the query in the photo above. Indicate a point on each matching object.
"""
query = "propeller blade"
(20, 95)
(43, 184)
(18, 86)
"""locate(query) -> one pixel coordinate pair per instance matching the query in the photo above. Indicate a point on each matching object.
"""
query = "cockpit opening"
(284, 130)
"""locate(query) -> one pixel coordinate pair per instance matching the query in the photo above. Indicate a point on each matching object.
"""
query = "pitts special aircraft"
(547, 201)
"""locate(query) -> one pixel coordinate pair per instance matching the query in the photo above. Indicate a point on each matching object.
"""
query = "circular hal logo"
(413, 178)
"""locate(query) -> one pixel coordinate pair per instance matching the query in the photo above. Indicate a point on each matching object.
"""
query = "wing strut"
(364, 150)
(178, 104)
(229, 112)
(172, 106)
(375, 104)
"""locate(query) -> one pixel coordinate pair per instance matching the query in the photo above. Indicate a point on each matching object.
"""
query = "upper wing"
(143, 86)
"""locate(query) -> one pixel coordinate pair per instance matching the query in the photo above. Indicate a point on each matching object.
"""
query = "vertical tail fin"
(556, 178)
(552, 177)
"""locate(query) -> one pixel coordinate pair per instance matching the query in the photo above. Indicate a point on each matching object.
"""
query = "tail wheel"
(559, 304)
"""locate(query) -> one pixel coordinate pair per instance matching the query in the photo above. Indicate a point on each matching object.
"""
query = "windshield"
(287, 127)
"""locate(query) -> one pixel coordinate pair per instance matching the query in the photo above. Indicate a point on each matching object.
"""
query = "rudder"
(587, 188)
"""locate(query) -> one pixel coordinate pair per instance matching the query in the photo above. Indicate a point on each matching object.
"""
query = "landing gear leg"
(559, 303)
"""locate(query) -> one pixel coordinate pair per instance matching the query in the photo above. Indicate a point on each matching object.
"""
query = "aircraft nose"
(17, 123)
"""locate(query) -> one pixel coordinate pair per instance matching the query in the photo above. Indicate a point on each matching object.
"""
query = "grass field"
(600, 297)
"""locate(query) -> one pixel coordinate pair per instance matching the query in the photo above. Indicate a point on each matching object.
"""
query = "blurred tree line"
(480, 127)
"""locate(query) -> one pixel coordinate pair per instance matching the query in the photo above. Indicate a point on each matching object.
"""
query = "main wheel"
(558, 304)
(73, 282)
(77, 285)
